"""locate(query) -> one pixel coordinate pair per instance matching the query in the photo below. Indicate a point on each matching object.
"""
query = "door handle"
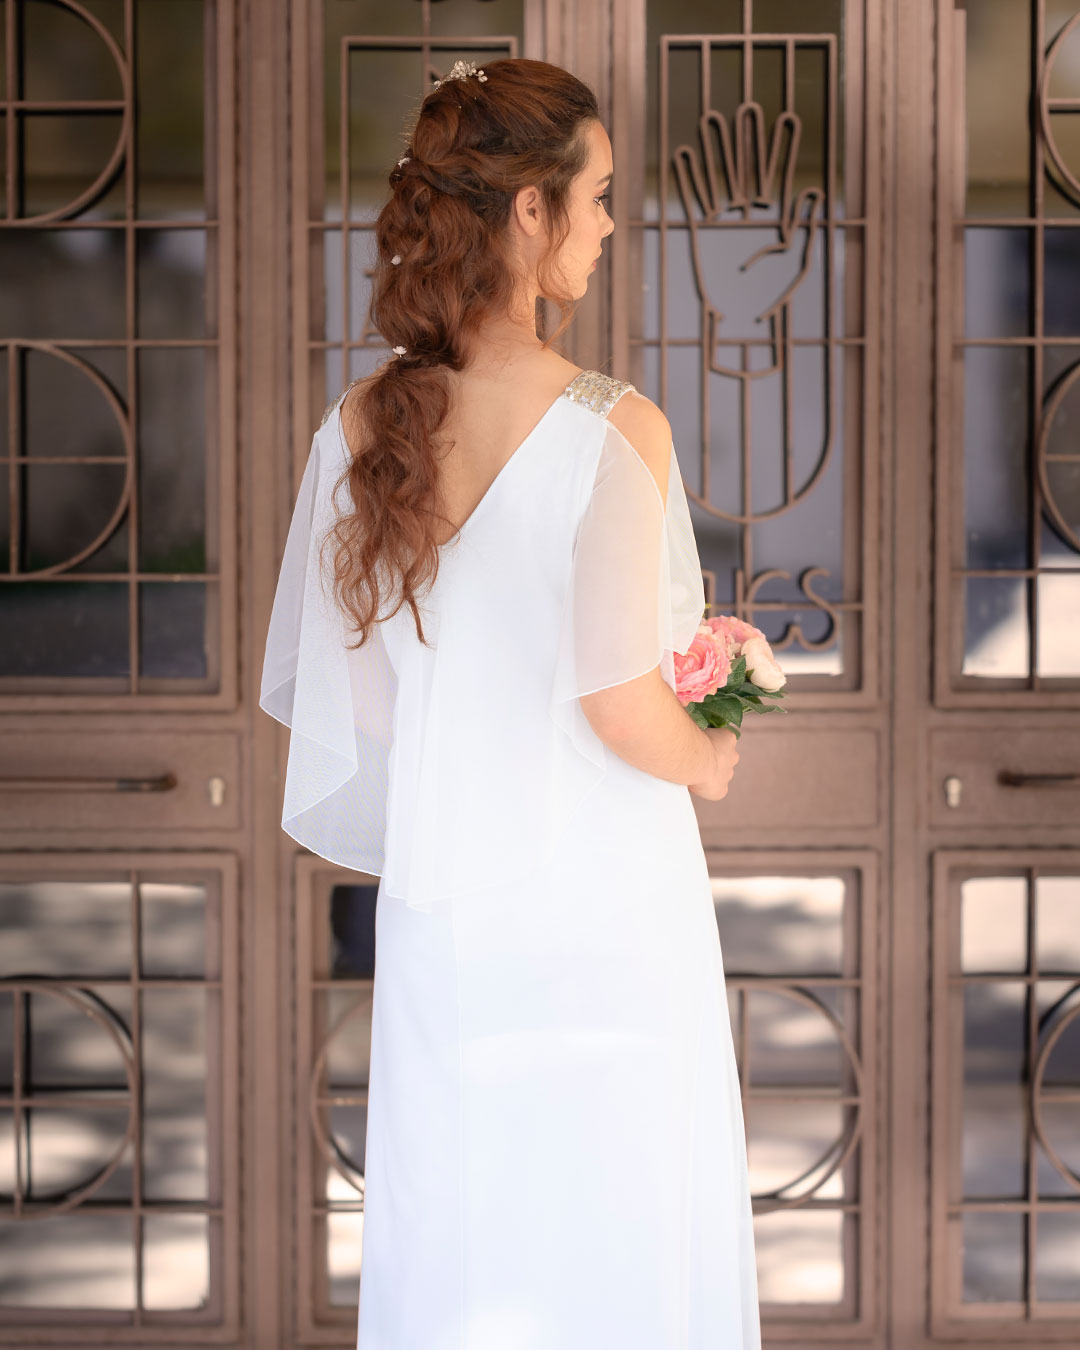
(1008, 778)
(164, 782)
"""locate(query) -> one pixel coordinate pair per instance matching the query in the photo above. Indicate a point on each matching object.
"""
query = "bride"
(489, 569)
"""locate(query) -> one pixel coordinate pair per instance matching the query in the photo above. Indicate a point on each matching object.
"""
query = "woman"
(489, 567)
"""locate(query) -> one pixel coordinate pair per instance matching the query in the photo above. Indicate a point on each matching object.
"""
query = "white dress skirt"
(555, 1155)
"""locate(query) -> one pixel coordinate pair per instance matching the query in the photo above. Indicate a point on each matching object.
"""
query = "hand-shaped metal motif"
(739, 176)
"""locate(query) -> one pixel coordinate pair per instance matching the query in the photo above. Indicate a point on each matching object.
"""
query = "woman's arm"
(641, 719)
(644, 723)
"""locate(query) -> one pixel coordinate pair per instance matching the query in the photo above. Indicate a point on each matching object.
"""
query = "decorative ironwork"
(1040, 1093)
(357, 333)
(13, 106)
(808, 1077)
(321, 1100)
(137, 1137)
(822, 1169)
(742, 175)
(1002, 933)
(99, 528)
(22, 1101)
(1013, 623)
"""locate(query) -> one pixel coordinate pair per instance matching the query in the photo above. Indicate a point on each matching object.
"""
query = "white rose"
(761, 667)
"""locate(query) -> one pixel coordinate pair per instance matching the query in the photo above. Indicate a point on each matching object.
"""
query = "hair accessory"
(404, 157)
(459, 71)
(396, 259)
(400, 351)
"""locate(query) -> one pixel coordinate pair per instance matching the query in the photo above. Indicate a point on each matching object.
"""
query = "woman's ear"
(528, 210)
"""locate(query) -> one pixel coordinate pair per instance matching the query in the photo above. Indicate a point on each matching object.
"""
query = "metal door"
(843, 260)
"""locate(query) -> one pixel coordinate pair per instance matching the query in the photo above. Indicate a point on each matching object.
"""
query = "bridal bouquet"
(728, 668)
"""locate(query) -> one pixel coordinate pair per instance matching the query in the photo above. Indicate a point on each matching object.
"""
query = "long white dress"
(555, 1156)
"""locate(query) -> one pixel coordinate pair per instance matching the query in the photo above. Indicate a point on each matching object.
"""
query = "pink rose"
(736, 631)
(704, 667)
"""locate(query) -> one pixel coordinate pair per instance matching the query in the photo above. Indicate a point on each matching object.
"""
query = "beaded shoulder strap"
(339, 400)
(597, 391)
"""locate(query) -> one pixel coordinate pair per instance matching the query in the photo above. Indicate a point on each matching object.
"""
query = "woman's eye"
(602, 198)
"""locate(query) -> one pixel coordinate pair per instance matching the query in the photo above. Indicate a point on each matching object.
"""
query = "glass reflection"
(176, 1104)
(176, 929)
(1058, 644)
(1058, 926)
(343, 963)
(996, 627)
(68, 1261)
(176, 1261)
(775, 925)
(993, 1257)
(1057, 1258)
(794, 1162)
(791, 1043)
(173, 87)
(65, 928)
(993, 924)
(344, 1235)
(800, 1257)
(1021, 1070)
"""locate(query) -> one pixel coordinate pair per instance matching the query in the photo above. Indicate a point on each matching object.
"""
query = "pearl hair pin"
(399, 351)
(459, 71)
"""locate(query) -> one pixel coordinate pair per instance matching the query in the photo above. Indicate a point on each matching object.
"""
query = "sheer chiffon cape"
(454, 767)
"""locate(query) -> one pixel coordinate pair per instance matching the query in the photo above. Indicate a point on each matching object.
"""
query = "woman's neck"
(506, 340)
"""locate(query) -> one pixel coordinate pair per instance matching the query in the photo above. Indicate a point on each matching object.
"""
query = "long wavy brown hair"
(474, 146)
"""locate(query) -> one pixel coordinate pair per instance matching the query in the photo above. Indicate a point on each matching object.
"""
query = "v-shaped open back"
(590, 389)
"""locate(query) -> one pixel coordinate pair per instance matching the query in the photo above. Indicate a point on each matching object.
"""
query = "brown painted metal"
(952, 688)
(102, 999)
(1029, 1321)
(897, 776)
(218, 691)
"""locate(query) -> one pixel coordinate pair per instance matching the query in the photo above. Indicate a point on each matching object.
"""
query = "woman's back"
(571, 574)
(491, 414)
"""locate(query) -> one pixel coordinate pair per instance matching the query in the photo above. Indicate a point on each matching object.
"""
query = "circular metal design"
(127, 435)
(1038, 1093)
(1069, 184)
(331, 1148)
(839, 1149)
(108, 1021)
(1050, 412)
(105, 177)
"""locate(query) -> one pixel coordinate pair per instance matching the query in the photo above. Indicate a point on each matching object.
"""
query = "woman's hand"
(725, 756)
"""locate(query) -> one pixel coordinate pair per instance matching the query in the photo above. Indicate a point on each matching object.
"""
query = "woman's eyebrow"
(603, 180)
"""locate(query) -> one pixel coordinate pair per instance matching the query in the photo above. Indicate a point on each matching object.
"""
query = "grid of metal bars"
(360, 346)
(1049, 1019)
(848, 1002)
(103, 999)
(330, 1004)
(216, 685)
(847, 601)
(955, 589)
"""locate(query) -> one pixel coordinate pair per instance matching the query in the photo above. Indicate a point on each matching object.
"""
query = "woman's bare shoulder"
(648, 430)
